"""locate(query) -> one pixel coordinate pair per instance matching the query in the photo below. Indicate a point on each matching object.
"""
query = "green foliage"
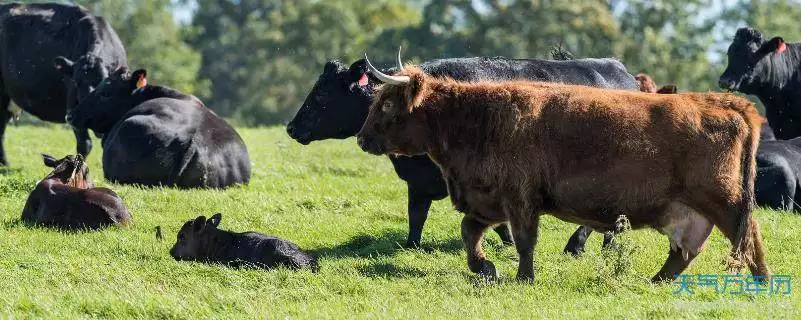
(262, 56)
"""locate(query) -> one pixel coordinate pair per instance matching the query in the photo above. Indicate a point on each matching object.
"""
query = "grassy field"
(349, 209)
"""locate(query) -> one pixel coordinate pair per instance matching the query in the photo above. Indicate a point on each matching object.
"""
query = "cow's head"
(195, 238)
(101, 109)
(337, 104)
(645, 83)
(70, 170)
(750, 62)
(395, 124)
(81, 76)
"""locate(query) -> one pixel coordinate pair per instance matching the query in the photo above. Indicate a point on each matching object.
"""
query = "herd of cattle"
(507, 139)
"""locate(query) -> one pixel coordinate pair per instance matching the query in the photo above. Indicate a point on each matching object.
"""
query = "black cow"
(771, 70)
(35, 36)
(201, 240)
(66, 198)
(153, 135)
(338, 104)
(778, 179)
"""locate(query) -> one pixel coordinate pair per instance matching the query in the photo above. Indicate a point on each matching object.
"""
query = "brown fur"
(647, 84)
(582, 154)
(66, 198)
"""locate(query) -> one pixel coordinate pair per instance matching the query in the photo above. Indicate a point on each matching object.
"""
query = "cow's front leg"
(525, 229)
(472, 235)
(83, 141)
(419, 205)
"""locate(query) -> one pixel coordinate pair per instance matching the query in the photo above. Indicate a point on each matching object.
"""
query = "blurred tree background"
(254, 61)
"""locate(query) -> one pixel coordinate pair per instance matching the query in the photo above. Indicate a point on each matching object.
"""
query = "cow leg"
(418, 213)
(758, 265)
(84, 142)
(5, 115)
(525, 233)
(609, 240)
(472, 235)
(575, 245)
(506, 235)
(687, 231)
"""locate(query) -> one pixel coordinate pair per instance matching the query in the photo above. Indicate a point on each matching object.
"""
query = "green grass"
(348, 208)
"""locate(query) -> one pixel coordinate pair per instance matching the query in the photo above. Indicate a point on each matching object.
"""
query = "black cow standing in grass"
(153, 135)
(338, 104)
(66, 198)
(34, 37)
(770, 70)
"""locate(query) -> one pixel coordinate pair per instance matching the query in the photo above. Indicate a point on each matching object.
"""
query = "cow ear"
(199, 224)
(667, 89)
(214, 221)
(49, 160)
(140, 78)
(776, 44)
(415, 90)
(63, 65)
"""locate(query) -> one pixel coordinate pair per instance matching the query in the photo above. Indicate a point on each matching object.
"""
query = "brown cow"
(66, 198)
(677, 163)
(647, 84)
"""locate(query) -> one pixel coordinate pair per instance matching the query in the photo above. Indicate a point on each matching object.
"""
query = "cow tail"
(743, 244)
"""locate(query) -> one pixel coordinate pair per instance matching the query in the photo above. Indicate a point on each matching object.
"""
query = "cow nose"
(290, 129)
(725, 84)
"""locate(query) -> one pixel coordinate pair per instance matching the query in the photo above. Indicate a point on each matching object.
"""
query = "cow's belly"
(597, 199)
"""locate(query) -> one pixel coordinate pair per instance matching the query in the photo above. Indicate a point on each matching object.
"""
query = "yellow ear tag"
(141, 83)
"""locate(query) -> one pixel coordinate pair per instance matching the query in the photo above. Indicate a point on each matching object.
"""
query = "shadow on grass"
(388, 270)
(388, 243)
(19, 223)
(4, 170)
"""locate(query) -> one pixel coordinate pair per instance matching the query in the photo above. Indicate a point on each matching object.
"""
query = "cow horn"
(400, 61)
(393, 80)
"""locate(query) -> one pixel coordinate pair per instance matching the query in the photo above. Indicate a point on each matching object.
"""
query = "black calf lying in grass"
(66, 198)
(200, 240)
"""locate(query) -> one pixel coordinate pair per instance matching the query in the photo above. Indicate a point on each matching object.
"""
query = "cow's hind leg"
(687, 231)
(575, 245)
(472, 235)
(5, 115)
(755, 255)
(506, 235)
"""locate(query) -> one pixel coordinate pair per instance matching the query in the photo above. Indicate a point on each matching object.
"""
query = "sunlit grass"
(349, 209)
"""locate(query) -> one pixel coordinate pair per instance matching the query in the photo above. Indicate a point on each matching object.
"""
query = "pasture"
(349, 209)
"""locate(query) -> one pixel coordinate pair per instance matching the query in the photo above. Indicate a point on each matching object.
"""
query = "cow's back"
(602, 73)
(167, 141)
(32, 36)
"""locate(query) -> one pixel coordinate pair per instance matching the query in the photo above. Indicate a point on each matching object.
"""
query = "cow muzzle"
(728, 84)
(369, 145)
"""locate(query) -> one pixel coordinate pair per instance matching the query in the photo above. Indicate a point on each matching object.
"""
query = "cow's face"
(395, 125)
(194, 238)
(336, 106)
(82, 75)
(98, 110)
(750, 60)
(645, 83)
(70, 170)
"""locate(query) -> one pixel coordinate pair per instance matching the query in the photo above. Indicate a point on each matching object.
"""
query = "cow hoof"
(574, 252)
(488, 272)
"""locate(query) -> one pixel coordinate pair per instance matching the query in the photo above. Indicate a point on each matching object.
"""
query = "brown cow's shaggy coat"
(678, 163)
(66, 198)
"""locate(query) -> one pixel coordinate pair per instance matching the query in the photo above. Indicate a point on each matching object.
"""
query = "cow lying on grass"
(153, 135)
(66, 198)
(200, 240)
(338, 104)
(678, 163)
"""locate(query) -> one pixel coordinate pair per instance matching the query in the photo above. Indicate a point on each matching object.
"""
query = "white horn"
(400, 61)
(393, 80)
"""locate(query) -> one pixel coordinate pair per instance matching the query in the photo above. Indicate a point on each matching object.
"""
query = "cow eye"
(386, 106)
